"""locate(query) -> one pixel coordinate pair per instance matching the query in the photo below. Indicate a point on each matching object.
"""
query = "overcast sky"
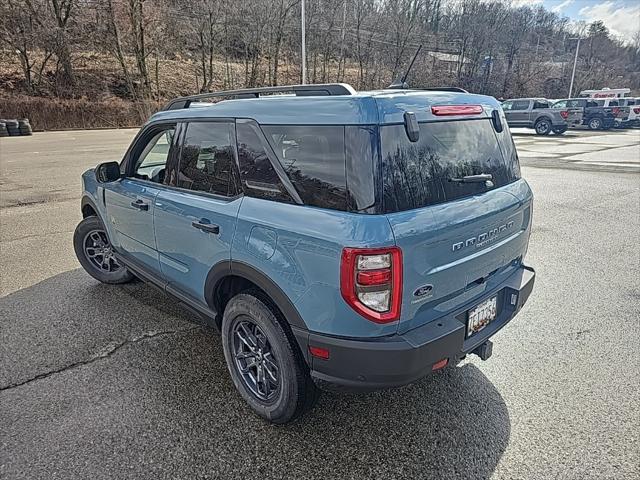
(622, 17)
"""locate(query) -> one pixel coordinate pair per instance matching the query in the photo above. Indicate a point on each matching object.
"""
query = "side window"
(256, 171)
(313, 158)
(592, 103)
(151, 163)
(207, 158)
(508, 105)
(614, 103)
(540, 104)
(520, 105)
(560, 104)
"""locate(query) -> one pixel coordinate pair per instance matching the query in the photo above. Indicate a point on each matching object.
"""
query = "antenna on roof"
(402, 82)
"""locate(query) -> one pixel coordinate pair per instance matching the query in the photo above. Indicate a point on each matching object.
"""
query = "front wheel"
(95, 254)
(263, 360)
(559, 130)
(595, 123)
(543, 127)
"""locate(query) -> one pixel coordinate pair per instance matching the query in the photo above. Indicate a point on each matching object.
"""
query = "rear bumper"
(401, 359)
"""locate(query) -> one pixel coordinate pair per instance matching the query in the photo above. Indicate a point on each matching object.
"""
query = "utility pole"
(575, 61)
(304, 47)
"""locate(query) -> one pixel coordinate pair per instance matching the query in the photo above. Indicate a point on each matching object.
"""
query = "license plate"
(481, 316)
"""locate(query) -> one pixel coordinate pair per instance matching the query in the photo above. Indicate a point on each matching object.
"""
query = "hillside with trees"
(86, 63)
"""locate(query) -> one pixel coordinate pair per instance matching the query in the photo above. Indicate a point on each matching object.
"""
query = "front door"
(130, 202)
(518, 115)
(196, 221)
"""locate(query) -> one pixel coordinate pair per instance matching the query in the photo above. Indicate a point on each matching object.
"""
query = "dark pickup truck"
(596, 117)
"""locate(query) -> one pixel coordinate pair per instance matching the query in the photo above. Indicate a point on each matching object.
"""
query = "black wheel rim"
(98, 251)
(255, 360)
(543, 127)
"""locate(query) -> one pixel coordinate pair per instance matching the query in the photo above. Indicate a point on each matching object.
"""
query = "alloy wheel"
(255, 360)
(99, 252)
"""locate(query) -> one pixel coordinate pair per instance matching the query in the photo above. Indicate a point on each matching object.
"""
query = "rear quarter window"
(313, 158)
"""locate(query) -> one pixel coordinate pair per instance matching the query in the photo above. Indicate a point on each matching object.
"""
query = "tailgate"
(455, 251)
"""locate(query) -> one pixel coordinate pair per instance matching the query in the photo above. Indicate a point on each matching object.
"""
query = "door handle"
(140, 205)
(206, 227)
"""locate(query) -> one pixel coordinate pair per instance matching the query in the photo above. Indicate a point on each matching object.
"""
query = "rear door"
(458, 239)
(195, 216)
(130, 202)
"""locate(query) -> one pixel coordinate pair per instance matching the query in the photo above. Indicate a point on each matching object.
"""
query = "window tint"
(361, 144)
(256, 171)
(540, 104)
(152, 160)
(591, 103)
(418, 174)
(206, 159)
(313, 158)
(520, 105)
(614, 103)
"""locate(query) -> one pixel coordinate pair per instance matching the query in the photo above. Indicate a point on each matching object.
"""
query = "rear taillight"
(444, 110)
(636, 110)
(616, 110)
(371, 282)
(564, 114)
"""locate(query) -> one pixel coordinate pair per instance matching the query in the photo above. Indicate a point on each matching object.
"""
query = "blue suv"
(334, 237)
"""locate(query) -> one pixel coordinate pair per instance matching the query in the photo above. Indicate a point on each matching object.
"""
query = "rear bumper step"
(401, 359)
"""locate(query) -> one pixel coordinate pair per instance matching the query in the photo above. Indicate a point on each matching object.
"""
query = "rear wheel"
(595, 123)
(263, 361)
(95, 254)
(543, 126)
(559, 130)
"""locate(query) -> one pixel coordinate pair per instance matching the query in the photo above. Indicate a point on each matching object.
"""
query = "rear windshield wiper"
(482, 178)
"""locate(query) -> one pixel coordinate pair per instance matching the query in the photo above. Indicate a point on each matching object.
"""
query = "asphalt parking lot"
(102, 381)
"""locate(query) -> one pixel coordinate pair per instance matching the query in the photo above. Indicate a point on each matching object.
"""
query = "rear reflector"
(319, 352)
(445, 110)
(564, 114)
(441, 364)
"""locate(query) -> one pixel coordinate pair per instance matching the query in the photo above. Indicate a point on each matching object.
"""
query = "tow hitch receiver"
(484, 351)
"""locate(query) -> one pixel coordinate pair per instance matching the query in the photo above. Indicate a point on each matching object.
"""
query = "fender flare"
(241, 269)
(87, 200)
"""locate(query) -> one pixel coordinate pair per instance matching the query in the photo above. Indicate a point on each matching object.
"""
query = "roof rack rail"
(445, 89)
(317, 90)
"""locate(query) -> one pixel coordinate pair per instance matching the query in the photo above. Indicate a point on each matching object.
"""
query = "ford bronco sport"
(334, 238)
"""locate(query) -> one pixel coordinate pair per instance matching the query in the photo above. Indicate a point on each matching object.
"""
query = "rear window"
(418, 174)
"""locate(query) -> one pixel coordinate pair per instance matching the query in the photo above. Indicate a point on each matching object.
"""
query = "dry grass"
(100, 98)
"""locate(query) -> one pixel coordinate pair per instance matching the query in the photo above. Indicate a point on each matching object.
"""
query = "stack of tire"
(15, 128)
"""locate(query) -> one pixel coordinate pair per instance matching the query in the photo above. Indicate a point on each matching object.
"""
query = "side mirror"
(411, 126)
(108, 172)
(497, 122)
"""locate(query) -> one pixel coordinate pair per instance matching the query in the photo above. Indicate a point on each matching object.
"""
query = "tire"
(543, 127)
(595, 123)
(559, 130)
(253, 332)
(93, 248)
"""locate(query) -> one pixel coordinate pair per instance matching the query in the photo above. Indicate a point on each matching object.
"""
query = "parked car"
(595, 116)
(633, 120)
(535, 113)
(361, 240)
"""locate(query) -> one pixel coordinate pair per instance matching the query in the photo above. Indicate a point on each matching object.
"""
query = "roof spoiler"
(317, 90)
